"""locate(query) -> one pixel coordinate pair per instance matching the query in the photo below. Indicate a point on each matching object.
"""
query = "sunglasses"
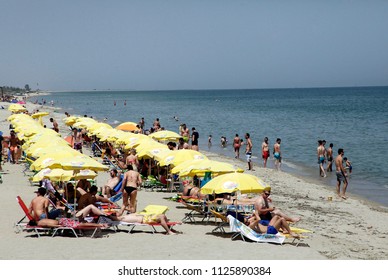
(267, 194)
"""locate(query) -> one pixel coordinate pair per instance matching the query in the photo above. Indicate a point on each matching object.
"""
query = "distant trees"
(27, 88)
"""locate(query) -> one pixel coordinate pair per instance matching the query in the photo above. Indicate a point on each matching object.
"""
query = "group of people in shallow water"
(343, 167)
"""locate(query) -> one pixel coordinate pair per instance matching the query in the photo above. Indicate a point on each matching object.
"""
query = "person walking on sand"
(329, 155)
(236, 146)
(277, 153)
(341, 174)
(265, 151)
(321, 158)
(248, 151)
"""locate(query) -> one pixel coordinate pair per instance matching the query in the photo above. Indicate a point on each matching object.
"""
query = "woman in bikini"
(236, 146)
(132, 160)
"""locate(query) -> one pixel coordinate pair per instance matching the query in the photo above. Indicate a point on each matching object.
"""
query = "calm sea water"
(355, 119)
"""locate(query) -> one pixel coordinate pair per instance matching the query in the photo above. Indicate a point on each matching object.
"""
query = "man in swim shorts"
(277, 153)
(248, 151)
(132, 180)
(321, 151)
(341, 174)
(39, 206)
(265, 151)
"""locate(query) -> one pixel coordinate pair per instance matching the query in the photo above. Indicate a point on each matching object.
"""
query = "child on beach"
(348, 165)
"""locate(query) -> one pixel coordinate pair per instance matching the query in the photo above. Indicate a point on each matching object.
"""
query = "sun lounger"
(23, 225)
(199, 210)
(223, 221)
(151, 210)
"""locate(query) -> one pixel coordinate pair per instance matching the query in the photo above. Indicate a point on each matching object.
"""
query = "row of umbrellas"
(52, 156)
(185, 163)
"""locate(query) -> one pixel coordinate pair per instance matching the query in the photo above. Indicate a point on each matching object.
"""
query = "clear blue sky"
(178, 44)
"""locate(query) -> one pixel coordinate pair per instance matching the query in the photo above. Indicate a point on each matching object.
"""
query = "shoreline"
(342, 230)
(290, 170)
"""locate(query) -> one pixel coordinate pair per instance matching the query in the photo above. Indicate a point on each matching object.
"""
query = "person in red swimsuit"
(265, 151)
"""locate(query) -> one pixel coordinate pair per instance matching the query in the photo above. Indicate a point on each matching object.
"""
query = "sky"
(193, 44)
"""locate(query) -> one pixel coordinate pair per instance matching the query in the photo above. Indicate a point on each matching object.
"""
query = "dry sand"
(347, 230)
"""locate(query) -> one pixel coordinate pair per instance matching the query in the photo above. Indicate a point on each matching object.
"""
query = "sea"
(352, 118)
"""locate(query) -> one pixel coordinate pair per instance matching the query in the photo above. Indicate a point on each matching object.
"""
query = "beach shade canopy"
(200, 167)
(97, 126)
(15, 108)
(232, 182)
(37, 152)
(69, 121)
(84, 122)
(176, 157)
(133, 140)
(67, 161)
(127, 126)
(151, 149)
(61, 175)
(165, 135)
(39, 115)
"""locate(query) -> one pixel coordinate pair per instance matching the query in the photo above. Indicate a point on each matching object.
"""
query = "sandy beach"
(352, 229)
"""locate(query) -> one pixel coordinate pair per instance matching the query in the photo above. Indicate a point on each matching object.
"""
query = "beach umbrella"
(61, 175)
(165, 135)
(69, 121)
(67, 161)
(232, 182)
(39, 116)
(127, 126)
(200, 167)
(134, 140)
(178, 156)
(15, 108)
(37, 152)
(98, 125)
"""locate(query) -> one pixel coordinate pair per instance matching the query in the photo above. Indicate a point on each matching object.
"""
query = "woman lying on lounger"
(64, 222)
(147, 219)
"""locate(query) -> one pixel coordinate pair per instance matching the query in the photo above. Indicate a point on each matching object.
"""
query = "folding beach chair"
(223, 221)
(74, 226)
(246, 232)
(24, 226)
(199, 210)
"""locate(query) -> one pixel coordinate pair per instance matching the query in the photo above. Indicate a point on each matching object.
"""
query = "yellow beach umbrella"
(165, 135)
(99, 125)
(134, 140)
(15, 108)
(61, 175)
(39, 115)
(200, 167)
(55, 174)
(232, 182)
(37, 152)
(69, 121)
(152, 152)
(67, 161)
(178, 156)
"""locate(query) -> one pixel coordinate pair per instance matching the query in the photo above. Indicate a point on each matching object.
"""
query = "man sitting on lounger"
(273, 226)
(147, 219)
(39, 206)
(91, 197)
(107, 189)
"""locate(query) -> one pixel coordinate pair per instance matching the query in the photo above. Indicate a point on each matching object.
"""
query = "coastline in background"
(351, 118)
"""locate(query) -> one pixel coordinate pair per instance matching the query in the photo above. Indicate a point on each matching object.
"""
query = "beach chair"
(152, 183)
(223, 221)
(73, 226)
(150, 210)
(196, 210)
(245, 232)
(23, 225)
